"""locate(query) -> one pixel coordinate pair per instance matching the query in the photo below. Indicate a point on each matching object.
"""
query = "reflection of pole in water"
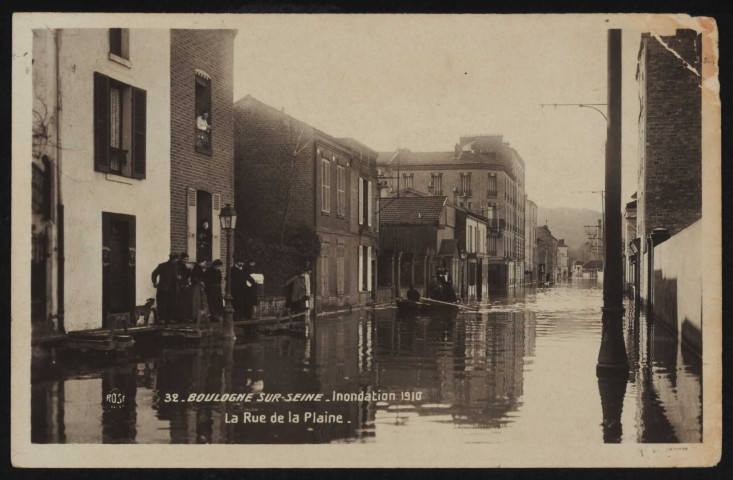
(612, 390)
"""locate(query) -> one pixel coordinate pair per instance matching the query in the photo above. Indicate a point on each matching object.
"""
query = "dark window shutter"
(139, 124)
(101, 122)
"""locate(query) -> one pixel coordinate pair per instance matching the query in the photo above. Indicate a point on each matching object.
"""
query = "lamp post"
(228, 220)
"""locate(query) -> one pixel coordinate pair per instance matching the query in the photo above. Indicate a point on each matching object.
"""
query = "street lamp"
(228, 221)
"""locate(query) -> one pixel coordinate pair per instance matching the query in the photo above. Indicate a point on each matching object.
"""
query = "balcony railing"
(203, 141)
(491, 194)
(117, 159)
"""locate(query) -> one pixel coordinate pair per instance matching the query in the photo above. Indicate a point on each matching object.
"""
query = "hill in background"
(569, 224)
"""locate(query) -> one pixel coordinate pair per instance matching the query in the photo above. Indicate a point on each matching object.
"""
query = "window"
(120, 116)
(324, 271)
(202, 113)
(492, 185)
(325, 185)
(341, 190)
(365, 202)
(340, 271)
(117, 155)
(365, 268)
(470, 239)
(119, 42)
(491, 247)
(437, 180)
(408, 179)
(466, 184)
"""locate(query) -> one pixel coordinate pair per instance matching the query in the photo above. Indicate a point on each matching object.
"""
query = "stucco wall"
(677, 284)
(87, 193)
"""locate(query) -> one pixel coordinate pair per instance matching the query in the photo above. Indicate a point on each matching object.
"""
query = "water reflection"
(524, 364)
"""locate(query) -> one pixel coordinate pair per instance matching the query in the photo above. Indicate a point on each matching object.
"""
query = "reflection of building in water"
(473, 364)
(668, 381)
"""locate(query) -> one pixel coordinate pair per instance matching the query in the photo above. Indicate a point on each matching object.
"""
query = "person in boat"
(412, 294)
(436, 289)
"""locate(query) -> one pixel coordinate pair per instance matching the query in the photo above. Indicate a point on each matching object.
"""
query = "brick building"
(201, 152)
(669, 193)
(483, 175)
(290, 174)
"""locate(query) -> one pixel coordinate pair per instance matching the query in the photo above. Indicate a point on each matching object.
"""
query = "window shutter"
(215, 227)
(369, 270)
(369, 203)
(191, 224)
(361, 201)
(139, 125)
(361, 267)
(101, 122)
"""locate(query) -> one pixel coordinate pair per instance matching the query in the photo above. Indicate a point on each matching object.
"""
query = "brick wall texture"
(211, 51)
(278, 171)
(671, 170)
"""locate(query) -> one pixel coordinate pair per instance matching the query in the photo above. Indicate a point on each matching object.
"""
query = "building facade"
(484, 175)
(563, 265)
(669, 193)
(101, 172)
(546, 256)
(631, 247)
(530, 242)
(289, 174)
(201, 150)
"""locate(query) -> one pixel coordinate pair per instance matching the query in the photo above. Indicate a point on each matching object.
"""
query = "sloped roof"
(412, 210)
(409, 192)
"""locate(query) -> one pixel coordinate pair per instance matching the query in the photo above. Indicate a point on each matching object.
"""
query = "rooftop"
(412, 210)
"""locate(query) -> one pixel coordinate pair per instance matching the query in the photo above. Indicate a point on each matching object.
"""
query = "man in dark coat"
(212, 280)
(185, 300)
(239, 288)
(165, 280)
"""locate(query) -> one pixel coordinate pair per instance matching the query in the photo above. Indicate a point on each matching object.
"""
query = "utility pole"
(612, 359)
(613, 267)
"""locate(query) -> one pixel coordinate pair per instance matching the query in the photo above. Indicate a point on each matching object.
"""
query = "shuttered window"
(120, 125)
(325, 185)
(341, 190)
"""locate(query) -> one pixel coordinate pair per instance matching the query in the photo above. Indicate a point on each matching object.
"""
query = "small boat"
(425, 306)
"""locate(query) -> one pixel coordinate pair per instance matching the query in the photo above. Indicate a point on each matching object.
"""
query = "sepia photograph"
(388, 240)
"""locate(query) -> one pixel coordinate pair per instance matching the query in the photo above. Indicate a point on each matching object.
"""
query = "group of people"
(192, 291)
(441, 289)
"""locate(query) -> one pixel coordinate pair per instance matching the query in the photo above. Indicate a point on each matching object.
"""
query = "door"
(203, 236)
(118, 263)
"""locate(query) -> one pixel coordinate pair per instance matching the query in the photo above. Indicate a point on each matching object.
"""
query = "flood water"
(522, 367)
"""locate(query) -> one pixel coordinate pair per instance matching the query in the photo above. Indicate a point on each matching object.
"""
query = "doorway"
(118, 264)
(203, 235)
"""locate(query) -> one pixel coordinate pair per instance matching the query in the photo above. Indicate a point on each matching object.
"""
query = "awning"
(202, 74)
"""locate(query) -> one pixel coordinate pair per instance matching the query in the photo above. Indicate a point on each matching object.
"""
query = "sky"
(422, 81)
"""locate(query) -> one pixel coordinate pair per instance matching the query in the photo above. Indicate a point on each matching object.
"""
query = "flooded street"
(523, 366)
